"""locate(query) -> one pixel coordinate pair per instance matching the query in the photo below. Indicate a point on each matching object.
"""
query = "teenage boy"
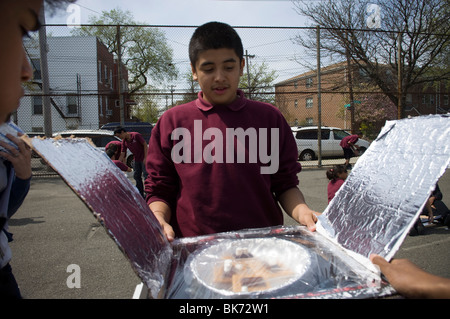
(137, 145)
(350, 148)
(222, 162)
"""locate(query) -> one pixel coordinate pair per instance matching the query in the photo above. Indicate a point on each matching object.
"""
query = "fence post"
(350, 89)
(319, 101)
(119, 77)
(399, 77)
(46, 110)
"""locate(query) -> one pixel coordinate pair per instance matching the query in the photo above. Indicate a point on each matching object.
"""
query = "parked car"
(99, 137)
(144, 128)
(308, 149)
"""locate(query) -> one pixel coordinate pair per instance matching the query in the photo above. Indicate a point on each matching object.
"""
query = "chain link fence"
(89, 76)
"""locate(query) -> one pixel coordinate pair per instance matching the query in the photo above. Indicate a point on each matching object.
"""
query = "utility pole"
(119, 77)
(247, 56)
(46, 110)
(350, 88)
(172, 89)
(399, 77)
(319, 101)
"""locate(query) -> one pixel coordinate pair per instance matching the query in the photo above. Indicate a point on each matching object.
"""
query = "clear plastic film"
(274, 262)
(371, 213)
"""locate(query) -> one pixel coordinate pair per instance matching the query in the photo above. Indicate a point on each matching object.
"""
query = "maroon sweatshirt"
(221, 168)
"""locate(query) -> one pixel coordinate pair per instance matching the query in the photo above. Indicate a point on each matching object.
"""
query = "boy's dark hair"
(110, 152)
(214, 35)
(119, 129)
(112, 147)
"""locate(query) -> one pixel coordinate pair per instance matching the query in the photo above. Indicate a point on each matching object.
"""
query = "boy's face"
(121, 135)
(16, 18)
(217, 72)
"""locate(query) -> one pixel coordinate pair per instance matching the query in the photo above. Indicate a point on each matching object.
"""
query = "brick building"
(298, 100)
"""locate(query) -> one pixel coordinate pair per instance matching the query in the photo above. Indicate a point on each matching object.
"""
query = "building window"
(36, 65)
(309, 102)
(37, 105)
(364, 75)
(106, 74)
(295, 84)
(296, 103)
(100, 101)
(309, 121)
(99, 71)
(409, 98)
(445, 98)
(72, 104)
(428, 99)
(309, 82)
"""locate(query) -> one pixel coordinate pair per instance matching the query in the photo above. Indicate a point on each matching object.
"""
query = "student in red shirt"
(349, 147)
(117, 147)
(112, 149)
(337, 176)
(222, 162)
(137, 145)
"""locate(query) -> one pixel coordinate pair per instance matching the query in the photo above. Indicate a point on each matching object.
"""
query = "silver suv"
(308, 149)
(99, 137)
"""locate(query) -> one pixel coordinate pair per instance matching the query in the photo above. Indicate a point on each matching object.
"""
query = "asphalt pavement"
(60, 251)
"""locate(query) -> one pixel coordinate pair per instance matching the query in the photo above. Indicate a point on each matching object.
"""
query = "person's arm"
(293, 203)
(20, 159)
(145, 151)
(430, 211)
(411, 281)
(163, 213)
(123, 152)
(122, 157)
(352, 143)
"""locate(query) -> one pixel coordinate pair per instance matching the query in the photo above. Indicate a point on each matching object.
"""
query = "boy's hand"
(19, 157)
(308, 217)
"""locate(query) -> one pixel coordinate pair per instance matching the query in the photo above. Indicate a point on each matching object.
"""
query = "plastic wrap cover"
(387, 188)
(278, 262)
(115, 202)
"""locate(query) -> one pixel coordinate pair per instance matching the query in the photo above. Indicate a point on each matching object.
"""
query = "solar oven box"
(371, 213)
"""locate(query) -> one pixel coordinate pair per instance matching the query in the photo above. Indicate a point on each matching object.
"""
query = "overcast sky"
(195, 12)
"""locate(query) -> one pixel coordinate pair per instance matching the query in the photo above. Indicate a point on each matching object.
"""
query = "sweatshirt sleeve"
(19, 191)
(286, 176)
(162, 181)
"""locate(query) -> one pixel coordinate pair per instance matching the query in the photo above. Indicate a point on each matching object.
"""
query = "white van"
(308, 149)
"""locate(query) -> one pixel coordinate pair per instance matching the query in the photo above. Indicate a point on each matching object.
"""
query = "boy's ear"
(194, 73)
(242, 67)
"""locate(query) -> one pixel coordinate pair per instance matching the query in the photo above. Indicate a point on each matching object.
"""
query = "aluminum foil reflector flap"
(389, 185)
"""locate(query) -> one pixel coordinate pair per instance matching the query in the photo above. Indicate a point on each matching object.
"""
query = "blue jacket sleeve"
(19, 191)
